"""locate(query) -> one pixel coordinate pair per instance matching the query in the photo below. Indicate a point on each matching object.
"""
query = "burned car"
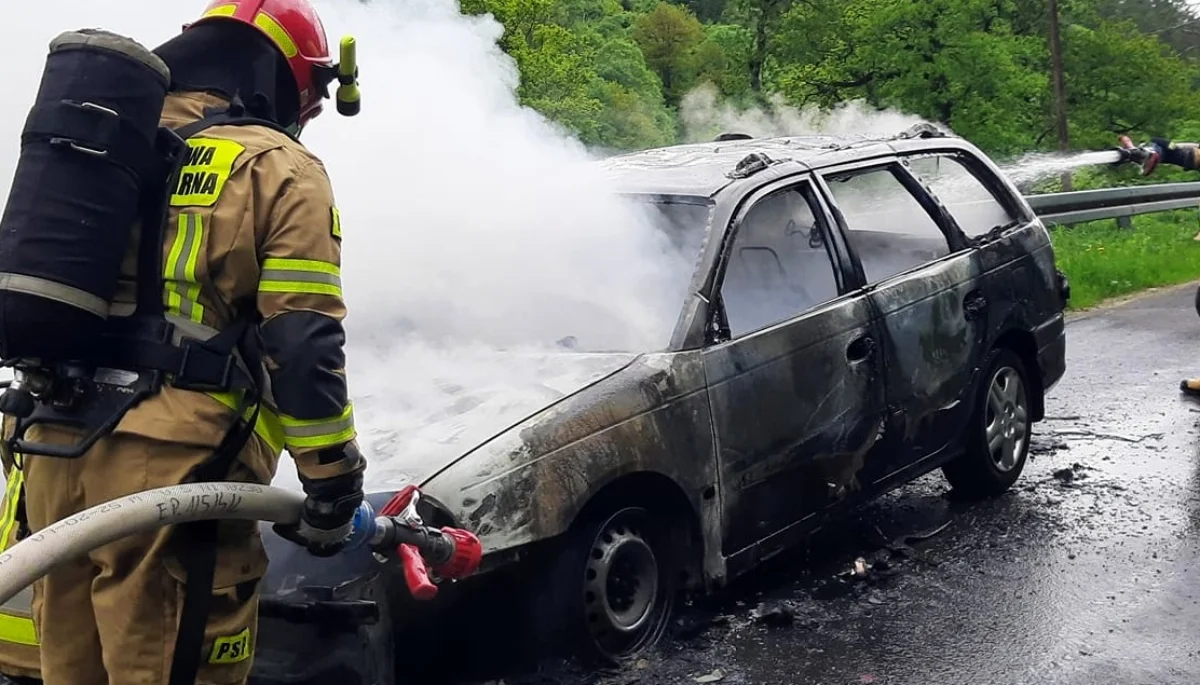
(862, 311)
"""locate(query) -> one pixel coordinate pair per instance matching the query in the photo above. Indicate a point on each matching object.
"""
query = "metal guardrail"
(1113, 203)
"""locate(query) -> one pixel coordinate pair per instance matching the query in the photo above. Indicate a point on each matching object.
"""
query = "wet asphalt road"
(1089, 576)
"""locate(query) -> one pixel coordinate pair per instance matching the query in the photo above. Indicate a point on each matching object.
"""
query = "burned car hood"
(420, 411)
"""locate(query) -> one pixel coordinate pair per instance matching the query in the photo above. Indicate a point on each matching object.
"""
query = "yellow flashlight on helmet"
(349, 98)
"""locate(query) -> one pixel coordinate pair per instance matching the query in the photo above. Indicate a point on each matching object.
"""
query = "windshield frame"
(687, 305)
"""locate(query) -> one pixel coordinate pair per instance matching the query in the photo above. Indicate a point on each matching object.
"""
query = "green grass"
(1103, 261)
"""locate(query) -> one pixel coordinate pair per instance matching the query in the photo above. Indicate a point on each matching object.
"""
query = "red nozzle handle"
(398, 501)
(466, 557)
(416, 574)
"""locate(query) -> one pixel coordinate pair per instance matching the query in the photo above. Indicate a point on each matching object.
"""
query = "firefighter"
(252, 236)
(1185, 156)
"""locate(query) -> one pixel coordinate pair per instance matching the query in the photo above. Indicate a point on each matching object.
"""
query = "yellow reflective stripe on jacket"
(16, 624)
(318, 433)
(179, 272)
(12, 490)
(300, 276)
(267, 426)
(18, 630)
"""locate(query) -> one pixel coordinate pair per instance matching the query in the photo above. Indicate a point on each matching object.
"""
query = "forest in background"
(627, 74)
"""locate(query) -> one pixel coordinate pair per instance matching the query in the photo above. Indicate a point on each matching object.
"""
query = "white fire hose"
(454, 552)
(81, 533)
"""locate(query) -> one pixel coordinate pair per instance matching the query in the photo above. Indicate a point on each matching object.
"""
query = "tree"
(1123, 81)
(724, 60)
(1175, 22)
(669, 36)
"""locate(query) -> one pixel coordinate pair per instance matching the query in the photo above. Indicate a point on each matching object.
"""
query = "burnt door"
(793, 385)
(923, 283)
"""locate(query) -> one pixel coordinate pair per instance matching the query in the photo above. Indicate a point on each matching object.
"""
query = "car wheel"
(998, 441)
(613, 587)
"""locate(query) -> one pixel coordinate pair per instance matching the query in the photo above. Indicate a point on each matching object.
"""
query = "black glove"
(330, 506)
(1177, 154)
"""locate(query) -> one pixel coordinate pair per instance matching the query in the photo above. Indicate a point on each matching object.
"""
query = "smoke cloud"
(477, 234)
(705, 115)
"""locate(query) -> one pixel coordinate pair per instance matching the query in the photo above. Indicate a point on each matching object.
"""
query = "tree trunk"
(760, 52)
(1060, 90)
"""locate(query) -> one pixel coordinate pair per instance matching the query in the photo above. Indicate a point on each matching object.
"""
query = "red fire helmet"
(294, 27)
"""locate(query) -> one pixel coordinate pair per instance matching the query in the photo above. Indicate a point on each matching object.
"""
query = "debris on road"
(925, 535)
(1040, 444)
(693, 624)
(1065, 475)
(1068, 475)
(775, 613)
(713, 677)
(860, 568)
(1107, 436)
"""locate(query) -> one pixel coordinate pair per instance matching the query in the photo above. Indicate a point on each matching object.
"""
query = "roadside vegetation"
(1103, 260)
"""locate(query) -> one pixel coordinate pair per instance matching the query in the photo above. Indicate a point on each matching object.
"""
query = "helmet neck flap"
(230, 59)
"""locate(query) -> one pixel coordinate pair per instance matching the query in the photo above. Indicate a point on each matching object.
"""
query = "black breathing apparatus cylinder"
(87, 168)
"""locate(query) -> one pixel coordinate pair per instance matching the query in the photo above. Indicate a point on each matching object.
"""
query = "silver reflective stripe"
(300, 276)
(184, 290)
(32, 285)
(317, 430)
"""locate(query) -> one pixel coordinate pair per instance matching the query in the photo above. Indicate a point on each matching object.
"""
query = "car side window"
(974, 207)
(885, 224)
(778, 265)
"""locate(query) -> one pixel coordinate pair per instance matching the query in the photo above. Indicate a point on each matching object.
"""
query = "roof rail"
(751, 164)
(923, 129)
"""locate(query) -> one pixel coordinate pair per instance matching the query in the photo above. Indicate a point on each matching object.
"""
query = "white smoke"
(705, 114)
(470, 223)
(472, 218)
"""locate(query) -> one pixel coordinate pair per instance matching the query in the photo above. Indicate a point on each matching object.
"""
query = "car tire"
(999, 430)
(610, 592)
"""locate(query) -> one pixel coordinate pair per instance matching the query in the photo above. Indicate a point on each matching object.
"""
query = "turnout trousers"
(112, 618)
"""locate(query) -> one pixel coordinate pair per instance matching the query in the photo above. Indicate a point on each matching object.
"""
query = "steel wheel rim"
(622, 586)
(1006, 420)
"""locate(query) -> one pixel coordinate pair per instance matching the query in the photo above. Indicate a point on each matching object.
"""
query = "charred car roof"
(703, 169)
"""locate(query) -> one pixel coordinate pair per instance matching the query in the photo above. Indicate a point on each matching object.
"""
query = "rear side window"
(966, 198)
(885, 224)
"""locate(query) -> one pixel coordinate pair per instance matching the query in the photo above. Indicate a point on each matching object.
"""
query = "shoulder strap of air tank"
(233, 115)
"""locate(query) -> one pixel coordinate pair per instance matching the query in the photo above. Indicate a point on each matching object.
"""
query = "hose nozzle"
(1146, 156)
(348, 95)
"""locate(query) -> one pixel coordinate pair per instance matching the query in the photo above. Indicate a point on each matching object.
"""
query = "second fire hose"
(452, 553)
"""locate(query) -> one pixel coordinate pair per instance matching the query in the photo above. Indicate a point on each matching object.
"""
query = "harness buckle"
(204, 360)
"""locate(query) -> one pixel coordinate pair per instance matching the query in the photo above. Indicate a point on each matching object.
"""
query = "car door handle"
(974, 304)
(860, 349)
